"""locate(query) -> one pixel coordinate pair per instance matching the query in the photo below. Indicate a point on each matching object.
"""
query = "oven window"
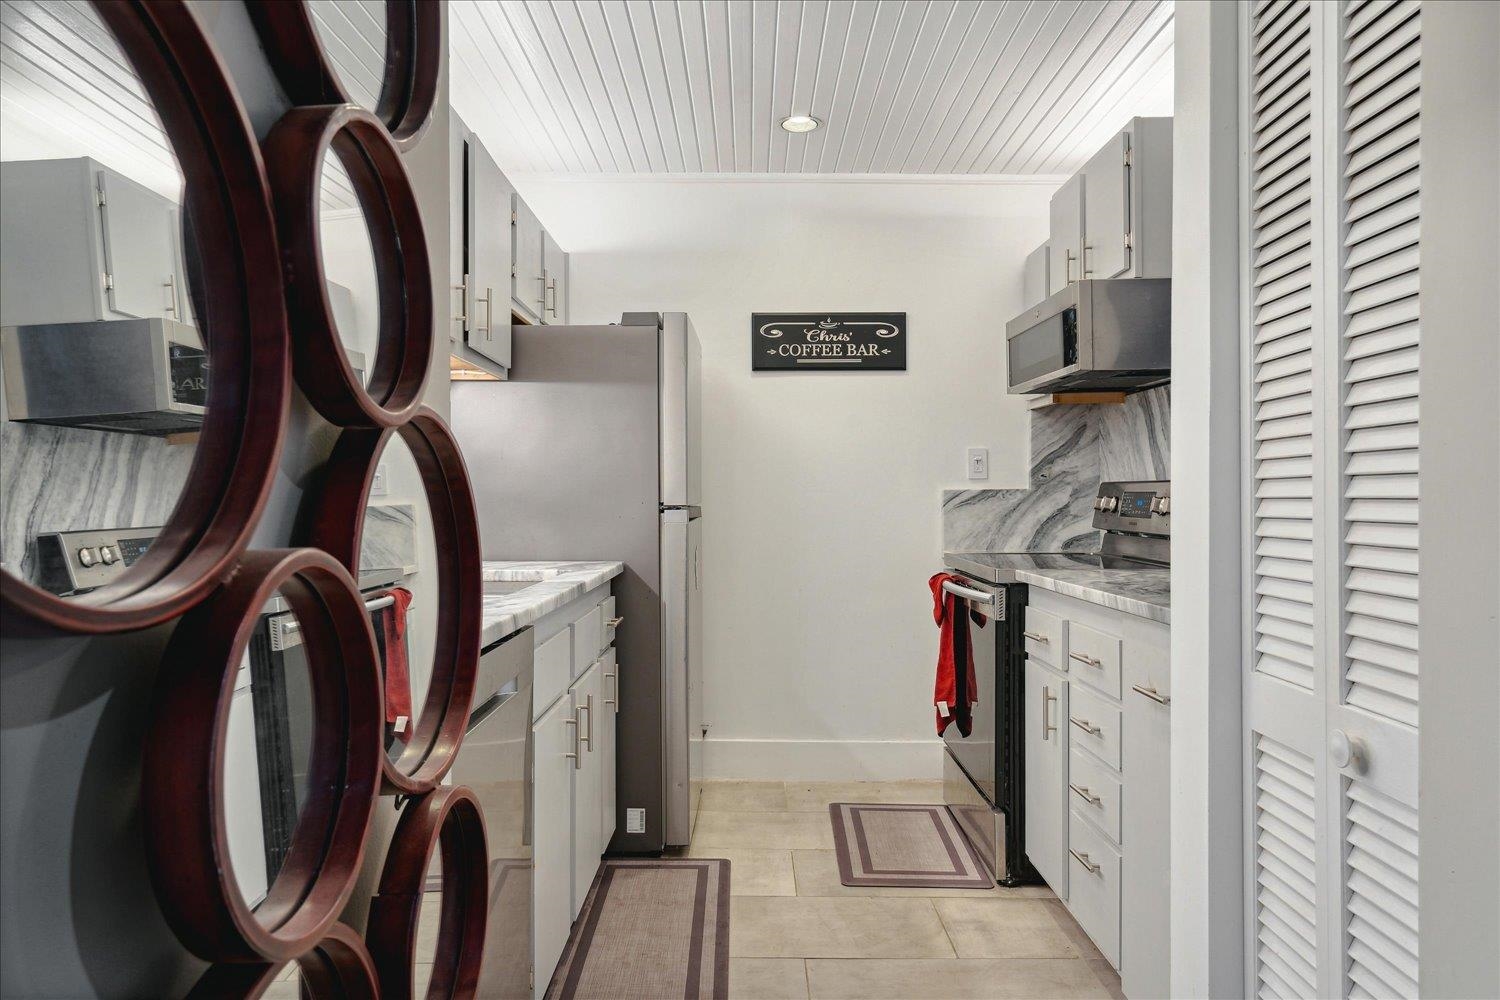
(1050, 345)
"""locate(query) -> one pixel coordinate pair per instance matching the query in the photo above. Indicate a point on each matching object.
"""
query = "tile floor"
(796, 932)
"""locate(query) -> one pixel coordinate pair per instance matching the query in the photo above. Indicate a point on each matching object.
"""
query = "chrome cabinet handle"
(1084, 658)
(171, 286)
(614, 689)
(1086, 795)
(1047, 726)
(587, 740)
(1086, 726)
(577, 763)
(1068, 267)
(615, 622)
(463, 299)
(1152, 693)
(1083, 261)
(1083, 859)
(551, 287)
(1037, 637)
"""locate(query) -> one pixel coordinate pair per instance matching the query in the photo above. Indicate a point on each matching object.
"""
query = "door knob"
(1347, 751)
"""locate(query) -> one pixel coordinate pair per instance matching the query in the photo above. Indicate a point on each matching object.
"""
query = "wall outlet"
(381, 484)
(979, 463)
(635, 821)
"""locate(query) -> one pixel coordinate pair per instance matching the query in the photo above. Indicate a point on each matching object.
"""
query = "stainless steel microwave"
(1105, 335)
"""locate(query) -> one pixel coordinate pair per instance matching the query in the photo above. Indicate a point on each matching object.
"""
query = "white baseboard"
(818, 760)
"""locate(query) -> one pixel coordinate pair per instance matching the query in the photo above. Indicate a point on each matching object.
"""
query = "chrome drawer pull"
(1090, 660)
(588, 740)
(577, 763)
(615, 622)
(1047, 726)
(1086, 795)
(1151, 692)
(1086, 726)
(1083, 859)
(1036, 637)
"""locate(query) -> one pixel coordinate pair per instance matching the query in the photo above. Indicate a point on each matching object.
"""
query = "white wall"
(821, 491)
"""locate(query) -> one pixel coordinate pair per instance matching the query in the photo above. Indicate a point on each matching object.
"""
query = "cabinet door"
(588, 788)
(489, 256)
(608, 732)
(555, 743)
(529, 281)
(1035, 286)
(1144, 879)
(1066, 242)
(1047, 775)
(140, 250)
(1106, 242)
(555, 269)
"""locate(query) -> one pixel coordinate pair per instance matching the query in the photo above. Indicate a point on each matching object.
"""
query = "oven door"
(976, 752)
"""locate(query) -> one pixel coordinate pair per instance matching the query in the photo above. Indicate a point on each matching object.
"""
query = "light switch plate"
(380, 485)
(979, 463)
(635, 821)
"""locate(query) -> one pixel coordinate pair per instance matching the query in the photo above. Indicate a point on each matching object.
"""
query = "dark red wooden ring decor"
(414, 48)
(295, 151)
(182, 783)
(338, 967)
(447, 819)
(245, 329)
(334, 522)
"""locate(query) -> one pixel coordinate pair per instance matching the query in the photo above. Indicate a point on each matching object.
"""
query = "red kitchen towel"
(397, 669)
(955, 692)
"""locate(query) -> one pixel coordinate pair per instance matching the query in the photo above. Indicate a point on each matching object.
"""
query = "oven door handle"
(983, 598)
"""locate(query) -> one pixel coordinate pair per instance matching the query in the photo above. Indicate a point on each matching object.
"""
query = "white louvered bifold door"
(1332, 211)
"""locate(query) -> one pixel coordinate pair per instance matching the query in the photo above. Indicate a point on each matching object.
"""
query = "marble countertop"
(1135, 588)
(553, 584)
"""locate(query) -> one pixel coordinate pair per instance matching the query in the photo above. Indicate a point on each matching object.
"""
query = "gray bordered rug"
(904, 845)
(650, 928)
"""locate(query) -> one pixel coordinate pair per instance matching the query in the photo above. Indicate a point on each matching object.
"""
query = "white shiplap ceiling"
(903, 86)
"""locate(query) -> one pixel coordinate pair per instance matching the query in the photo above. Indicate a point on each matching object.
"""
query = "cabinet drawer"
(607, 633)
(552, 670)
(1093, 791)
(1094, 886)
(1094, 658)
(586, 634)
(1094, 723)
(1046, 637)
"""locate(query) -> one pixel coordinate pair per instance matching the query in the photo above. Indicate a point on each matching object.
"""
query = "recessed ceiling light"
(800, 123)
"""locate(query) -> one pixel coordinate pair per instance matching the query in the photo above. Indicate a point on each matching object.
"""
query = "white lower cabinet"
(588, 784)
(573, 778)
(555, 743)
(1047, 775)
(1098, 789)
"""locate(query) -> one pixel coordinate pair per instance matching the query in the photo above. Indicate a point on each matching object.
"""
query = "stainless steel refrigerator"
(591, 451)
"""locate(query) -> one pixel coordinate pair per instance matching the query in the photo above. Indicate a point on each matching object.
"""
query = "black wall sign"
(830, 342)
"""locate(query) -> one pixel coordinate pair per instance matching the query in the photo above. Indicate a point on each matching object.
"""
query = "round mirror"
(353, 36)
(129, 324)
(267, 752)
(348, 266)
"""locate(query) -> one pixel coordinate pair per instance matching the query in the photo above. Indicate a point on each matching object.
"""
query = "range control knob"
(86, 556)
(1161, 505)
(1099, 502)
(107, 555)
(1111, 504)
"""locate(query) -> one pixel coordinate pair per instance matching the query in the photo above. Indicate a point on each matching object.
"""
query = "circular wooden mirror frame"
(338, 967)
(296, 149)
(228, 200)
(447, 819)
(414, 47)
(334, 522)
(182, 785)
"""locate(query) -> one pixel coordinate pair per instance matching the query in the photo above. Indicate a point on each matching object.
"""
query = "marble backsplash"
(1073, 450)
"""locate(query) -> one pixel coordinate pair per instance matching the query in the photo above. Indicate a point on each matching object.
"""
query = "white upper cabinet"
(1128, 222)
(529, 280)
(489, 256)
(83, 243)
(1065, 248)
(1035, 285)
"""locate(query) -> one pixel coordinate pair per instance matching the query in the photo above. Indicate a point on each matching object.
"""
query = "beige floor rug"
(653, 928)
(914, 846)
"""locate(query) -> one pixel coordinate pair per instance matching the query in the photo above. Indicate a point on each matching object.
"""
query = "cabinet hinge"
(109, 282)
(1127, 157)
(531, 978)
(1127, 242)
